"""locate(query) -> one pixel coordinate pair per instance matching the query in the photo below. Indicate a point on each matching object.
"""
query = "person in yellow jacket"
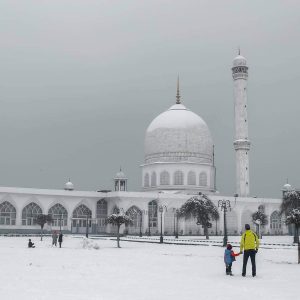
(249, 244)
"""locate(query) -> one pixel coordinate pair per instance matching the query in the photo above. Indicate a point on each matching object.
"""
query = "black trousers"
(250, 253)
(228, 269)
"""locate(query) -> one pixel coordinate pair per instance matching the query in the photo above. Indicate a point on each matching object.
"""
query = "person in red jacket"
(229, 258)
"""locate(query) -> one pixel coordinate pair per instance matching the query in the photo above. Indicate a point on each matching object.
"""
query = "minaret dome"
(120, 181)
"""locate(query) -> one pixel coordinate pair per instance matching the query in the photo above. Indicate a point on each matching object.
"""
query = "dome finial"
(239, 49)
(178, 92)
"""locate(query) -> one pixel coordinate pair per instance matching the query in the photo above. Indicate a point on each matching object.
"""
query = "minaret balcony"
(240, 76)
(242, 144)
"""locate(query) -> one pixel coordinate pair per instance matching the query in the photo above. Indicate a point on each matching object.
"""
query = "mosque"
(179, 163)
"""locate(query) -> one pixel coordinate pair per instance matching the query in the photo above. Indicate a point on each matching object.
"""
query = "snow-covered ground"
(140, 271)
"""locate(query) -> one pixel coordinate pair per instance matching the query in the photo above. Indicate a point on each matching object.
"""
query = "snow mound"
(89, 244)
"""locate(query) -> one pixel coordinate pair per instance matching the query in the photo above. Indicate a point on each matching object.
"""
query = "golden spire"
(178, 92)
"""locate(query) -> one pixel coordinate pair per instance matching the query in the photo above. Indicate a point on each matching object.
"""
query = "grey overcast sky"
(80, 81)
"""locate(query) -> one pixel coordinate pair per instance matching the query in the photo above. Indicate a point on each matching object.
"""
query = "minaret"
(241, 142)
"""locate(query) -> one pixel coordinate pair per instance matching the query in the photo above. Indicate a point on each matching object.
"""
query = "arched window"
(191, 178)
(164, 178)
(152, 215)
(101, 209)
(153, 179)
(146, 180)
(30, 213)
(136, 216)
(275, 220)
(178, 178)
(7, 214)
(101, 214)
(80, 215)
(203, 179)
(59, 215)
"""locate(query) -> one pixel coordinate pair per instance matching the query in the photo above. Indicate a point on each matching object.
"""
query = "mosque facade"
(178, 164)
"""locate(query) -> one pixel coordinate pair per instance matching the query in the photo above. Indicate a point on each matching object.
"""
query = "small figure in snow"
(30, 244)
(229, 258)
(54, 238)
(60, 239)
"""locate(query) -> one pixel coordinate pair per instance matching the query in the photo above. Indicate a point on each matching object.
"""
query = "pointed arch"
(136, 216)
(191, 178)
(81, 215)
(275, 222)
(101, 210)
(101, 215)
(30, 213)
(152, 216)
(82, 211)
(133, 210)
(7, 214)
(59, 215)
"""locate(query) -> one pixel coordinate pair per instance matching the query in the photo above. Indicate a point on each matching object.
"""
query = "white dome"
(69, 186)
(239, 61)
(287, 187)
(177, 135)
(120, 175)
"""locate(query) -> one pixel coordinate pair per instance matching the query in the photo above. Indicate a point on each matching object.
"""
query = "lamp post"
(60, 222)
(224, 205)
(87, 226)
(177, 217)
(174, 210)
(149, 223)
(161, 210)
(141, 220)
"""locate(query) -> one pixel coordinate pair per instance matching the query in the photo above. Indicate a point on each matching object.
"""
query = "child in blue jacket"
(229, 258)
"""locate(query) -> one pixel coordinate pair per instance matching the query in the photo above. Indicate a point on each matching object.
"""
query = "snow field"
(139, 271)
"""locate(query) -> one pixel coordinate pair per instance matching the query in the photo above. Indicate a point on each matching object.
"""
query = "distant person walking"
(54, 238)
(30, 244)
(250, 244)
(60, 239)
